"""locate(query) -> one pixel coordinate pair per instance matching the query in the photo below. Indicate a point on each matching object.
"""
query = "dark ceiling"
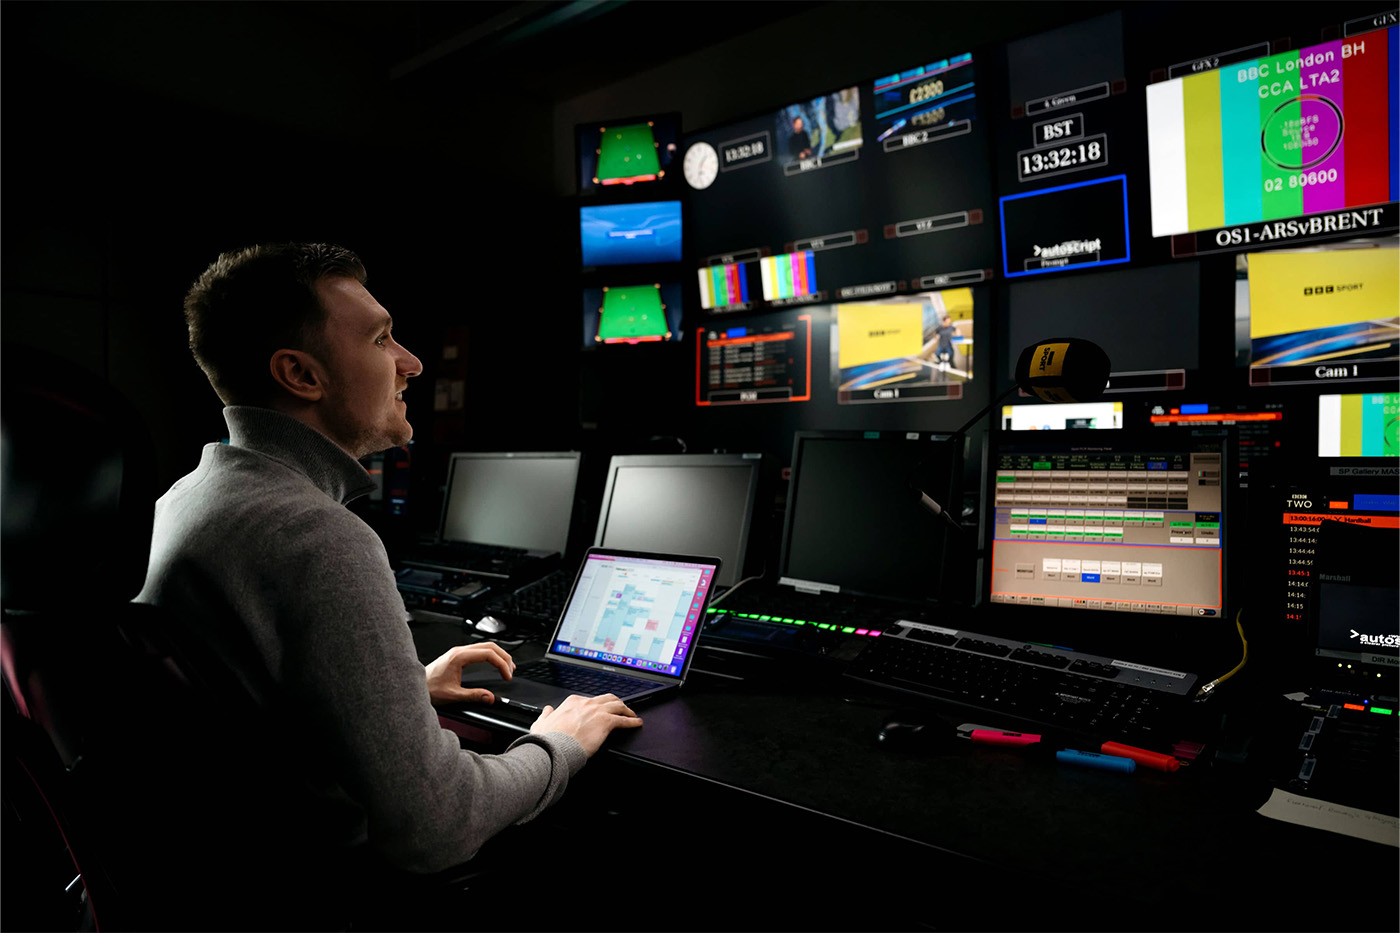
(341, 68)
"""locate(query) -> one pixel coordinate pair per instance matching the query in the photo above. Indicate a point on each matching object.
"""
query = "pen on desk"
(1111, 757)
(1142, 756)
(507, 701)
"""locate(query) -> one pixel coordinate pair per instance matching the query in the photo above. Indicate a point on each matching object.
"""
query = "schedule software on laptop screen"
(635, 612)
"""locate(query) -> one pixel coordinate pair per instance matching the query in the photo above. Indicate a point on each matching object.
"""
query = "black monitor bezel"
(952, 499)
(752, 461)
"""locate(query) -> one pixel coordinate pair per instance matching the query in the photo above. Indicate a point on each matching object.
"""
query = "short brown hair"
(252, 302)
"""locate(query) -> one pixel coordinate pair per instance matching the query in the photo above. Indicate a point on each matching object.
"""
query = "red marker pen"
(1142, 756)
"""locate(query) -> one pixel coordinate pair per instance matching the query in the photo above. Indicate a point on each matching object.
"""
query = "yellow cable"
(1244, 657)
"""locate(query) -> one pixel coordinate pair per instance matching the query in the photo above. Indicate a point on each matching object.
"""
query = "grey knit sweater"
(256, 552)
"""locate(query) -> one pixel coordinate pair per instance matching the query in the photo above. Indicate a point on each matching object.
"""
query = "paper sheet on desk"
(1335, 818)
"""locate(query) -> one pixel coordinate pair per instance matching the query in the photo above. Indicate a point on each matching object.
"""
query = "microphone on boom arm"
(1056, 369)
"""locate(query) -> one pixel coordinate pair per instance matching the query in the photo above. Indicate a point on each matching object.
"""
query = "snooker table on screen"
(632, 314)
(627, 154)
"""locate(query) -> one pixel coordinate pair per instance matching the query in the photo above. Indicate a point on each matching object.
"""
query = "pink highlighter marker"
(997, 737)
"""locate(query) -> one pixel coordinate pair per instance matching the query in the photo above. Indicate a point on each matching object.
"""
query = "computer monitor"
(681, 503)
(513, 499)
(1115, 530)
(854, 523)
(1321, 581)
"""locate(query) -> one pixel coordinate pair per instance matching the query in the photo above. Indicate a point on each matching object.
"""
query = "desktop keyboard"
(540, 601)
(1054, 689)
(785, 624)
(579, 679)
(485, 560)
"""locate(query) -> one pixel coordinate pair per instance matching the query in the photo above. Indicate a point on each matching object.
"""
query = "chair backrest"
(78, 473)
(154, 763)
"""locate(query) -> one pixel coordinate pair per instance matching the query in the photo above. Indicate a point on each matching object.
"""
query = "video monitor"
(1147, 320)
(1276, 148)
(1323, 576)
(1065, 68)
(1073, 226)
(630, 234)
(854, 523)
(1064, 416)
(875, 190)
(681, 504)
(1131, 525)
(647, 312)
(619, 154)
(1360, 425)
(1326, 313)
(910, 348)
(1068, 123)
(725, 287)
(756, 360)
(513, 499)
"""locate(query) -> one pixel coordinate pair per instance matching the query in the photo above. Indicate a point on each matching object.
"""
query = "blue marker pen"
(1071, 756)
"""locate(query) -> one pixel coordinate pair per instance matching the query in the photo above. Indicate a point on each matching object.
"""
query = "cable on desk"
(727, 593)
(1206, 691)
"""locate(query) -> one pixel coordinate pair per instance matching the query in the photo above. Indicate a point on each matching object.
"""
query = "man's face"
(364, 371)
(797, 124)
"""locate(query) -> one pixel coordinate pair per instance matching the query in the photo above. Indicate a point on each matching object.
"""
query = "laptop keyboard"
(1058, 690)
(579, 679)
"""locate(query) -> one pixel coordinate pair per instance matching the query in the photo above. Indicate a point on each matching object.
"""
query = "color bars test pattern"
(1362, 425)
(790, 275)
(723, 286)
(1263, 139)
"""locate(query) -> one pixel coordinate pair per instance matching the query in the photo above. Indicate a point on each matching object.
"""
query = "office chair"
(137, 750)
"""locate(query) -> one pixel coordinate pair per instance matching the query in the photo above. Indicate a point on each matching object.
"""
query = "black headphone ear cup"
(1063, 369)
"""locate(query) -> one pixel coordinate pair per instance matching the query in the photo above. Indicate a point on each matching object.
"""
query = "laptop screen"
(636, 612)
(681, 504)
(522, 500)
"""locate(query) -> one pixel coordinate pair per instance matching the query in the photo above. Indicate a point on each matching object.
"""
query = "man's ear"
(299, 373)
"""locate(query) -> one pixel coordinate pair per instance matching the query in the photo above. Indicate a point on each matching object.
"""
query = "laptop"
(629, 627)
(503, 514)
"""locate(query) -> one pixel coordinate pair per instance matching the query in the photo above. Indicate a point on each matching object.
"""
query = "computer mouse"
(490, 625)
(908, 729)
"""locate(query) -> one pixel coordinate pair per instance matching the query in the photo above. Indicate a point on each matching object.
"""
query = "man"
(256, 552)
(799, 143)
(945, 333)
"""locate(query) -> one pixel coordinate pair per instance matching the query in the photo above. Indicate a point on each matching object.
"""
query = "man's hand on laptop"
(588, 719)
(445, 674)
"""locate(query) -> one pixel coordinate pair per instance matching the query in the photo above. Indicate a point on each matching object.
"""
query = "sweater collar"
(302, 448)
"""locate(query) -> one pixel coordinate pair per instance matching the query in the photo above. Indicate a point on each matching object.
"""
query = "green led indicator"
(849, 630)
(1383, 710)
(872, 435)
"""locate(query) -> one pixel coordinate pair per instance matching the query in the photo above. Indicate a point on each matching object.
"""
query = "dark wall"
(143, 139)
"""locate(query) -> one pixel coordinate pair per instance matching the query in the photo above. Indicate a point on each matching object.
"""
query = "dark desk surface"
(1149, 850)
